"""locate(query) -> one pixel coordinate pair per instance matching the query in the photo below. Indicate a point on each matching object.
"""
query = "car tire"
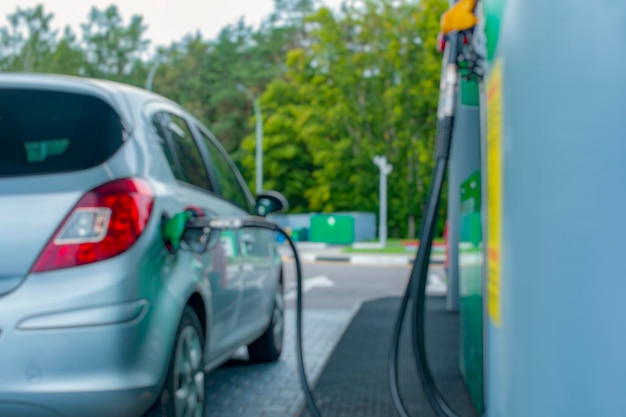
(185, 382)
(269, 346)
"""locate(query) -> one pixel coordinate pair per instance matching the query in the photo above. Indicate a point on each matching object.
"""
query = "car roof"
(119, 96)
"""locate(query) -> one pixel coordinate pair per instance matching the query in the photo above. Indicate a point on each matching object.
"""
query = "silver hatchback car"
(98, 315)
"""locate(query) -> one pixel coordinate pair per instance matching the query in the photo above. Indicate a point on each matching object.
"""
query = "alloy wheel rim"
(189, 375)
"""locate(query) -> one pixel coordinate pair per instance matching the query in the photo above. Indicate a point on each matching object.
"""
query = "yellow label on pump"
(494, 191)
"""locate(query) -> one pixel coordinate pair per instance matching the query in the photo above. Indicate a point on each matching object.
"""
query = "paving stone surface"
(273, 390)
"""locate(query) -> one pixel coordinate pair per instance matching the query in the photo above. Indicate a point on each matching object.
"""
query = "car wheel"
(184, 391)
(269, 346)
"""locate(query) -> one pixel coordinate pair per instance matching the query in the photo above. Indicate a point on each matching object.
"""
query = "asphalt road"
(339, 285)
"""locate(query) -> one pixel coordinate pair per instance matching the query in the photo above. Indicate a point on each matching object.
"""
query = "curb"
(364, 259)
(311, 246)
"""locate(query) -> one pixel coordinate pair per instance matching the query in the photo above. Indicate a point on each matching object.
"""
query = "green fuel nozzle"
(174, 228)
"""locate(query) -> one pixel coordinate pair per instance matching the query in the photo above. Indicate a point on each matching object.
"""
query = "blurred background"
(337, 83)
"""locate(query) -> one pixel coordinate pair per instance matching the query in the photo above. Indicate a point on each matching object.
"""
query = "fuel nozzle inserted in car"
(173, 229)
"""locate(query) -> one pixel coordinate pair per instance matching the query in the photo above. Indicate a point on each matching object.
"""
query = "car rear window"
(46, 131)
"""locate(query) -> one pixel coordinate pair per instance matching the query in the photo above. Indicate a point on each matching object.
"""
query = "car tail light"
(105, 222)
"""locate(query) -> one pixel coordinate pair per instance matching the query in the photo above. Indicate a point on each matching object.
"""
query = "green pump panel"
(492, 12)
(470, 289)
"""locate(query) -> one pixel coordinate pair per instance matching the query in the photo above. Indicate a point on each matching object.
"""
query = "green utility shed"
(335, 229)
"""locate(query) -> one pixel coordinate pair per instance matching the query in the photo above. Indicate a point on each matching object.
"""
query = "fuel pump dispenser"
(541, 224)
(542, 217)
(555, 195)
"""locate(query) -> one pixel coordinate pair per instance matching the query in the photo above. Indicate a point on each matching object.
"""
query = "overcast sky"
(167, 20)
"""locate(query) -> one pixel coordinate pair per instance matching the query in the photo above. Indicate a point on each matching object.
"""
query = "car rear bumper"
(100, 361)
(120, 403)
(90, 341)
(107, 365)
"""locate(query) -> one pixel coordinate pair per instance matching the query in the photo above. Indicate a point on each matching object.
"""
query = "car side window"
(230, 186)
(188, 165)
(166, 146)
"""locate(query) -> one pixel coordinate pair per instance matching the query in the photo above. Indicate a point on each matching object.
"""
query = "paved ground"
(333, 293)
(239, 389)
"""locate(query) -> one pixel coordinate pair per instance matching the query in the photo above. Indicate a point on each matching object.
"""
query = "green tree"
(366, 83)
(112, 48)
(28, 41)
(202, 75)
(68, 57)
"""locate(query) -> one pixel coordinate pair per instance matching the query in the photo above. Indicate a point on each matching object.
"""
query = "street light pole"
(385, 170)
(259, 137)
(151, 74)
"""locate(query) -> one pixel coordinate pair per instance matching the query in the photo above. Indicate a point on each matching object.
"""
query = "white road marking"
(321, 281)
(436, 285)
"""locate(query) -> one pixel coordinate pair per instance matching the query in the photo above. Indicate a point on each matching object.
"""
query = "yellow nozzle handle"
(459, 17)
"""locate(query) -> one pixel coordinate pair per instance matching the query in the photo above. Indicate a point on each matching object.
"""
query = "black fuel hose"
(304, 381)
(417, 284)
(416, 287)
(260, 223)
